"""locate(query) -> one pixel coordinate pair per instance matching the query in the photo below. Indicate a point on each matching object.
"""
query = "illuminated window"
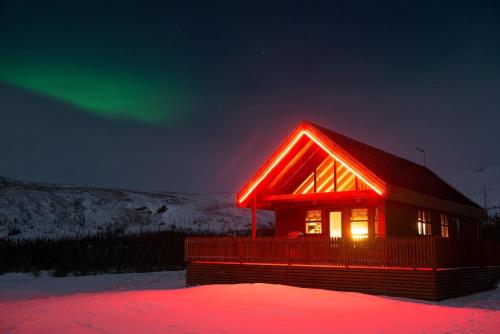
(313, 222)
(444, 226)
(359, 223)
(331, 176)
(335, 224)
(424, 223)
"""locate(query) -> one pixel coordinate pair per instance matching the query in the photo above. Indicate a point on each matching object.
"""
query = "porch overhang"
(269, 201)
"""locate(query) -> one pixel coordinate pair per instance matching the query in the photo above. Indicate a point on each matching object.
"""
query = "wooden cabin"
(351, 217)
(322, 183)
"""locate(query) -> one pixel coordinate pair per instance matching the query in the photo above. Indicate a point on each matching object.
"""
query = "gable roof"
(377, 168)
(283, 160)
(397, 171)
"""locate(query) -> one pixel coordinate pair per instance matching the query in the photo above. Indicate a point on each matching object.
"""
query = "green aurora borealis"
(111, 93)
(99, 67)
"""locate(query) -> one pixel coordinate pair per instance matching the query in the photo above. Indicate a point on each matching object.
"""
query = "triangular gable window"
(330, 176)
(336, 171)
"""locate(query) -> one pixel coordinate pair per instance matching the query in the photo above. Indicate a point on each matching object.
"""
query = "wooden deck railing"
(402, 252)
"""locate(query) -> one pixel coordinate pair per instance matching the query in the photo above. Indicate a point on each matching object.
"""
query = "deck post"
(254, 217)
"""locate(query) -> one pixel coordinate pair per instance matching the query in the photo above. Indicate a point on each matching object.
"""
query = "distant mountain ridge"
(34, 210)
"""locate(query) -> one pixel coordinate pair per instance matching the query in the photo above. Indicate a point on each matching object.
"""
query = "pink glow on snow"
(241, 308)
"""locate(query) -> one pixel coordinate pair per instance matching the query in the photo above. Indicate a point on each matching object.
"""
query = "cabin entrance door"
(335, 224)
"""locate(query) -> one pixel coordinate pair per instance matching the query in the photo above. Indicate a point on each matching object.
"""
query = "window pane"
(359, 223)
(359, 229)
(444, 231)
(313, 216)
(359, 214)
(444, 225)
(427, 229)
(335, 224)
(313, 228)
(313, 222)
(423, 222)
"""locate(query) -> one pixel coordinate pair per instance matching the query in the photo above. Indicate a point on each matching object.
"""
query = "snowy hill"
(31, 210)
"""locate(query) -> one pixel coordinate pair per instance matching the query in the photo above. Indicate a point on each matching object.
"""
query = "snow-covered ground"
(22, 286)
(32, 210)
(146, 303)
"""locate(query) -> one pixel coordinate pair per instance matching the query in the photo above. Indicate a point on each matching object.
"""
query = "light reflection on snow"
(244, 308)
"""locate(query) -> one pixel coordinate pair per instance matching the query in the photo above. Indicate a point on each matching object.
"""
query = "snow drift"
(32, 210)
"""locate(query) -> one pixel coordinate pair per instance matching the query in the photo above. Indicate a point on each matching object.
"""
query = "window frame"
(424, 223)
(366, 221)
(317, 222)
(445, 226)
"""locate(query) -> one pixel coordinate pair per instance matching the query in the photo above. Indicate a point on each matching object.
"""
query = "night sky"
(194, 97)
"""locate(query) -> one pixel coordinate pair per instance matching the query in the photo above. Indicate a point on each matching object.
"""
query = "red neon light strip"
(340, 266)
(268, 169)
(285, 152)
(314, 139)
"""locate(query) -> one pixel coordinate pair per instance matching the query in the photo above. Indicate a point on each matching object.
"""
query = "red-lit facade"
(321, 183)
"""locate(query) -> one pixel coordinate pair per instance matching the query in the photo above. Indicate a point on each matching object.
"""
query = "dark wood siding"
(401, 220)
(421, 284)
(289, 219)
(464, 281)
(468, 228)
(401, 195)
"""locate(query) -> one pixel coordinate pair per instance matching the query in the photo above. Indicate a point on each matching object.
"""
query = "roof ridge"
(368, 145)
(336, 137)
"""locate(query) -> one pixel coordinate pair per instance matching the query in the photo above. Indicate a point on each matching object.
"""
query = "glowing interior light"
(358, 230)
(325, 170)
(323, 184)
(348, 182)
(342, 162)
(342, 176)
(331, 188)
(287, 149)
(359, 223)
(308, 188)
(359, 237)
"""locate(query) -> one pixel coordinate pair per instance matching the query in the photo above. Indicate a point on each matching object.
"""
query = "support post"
(254, 217)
